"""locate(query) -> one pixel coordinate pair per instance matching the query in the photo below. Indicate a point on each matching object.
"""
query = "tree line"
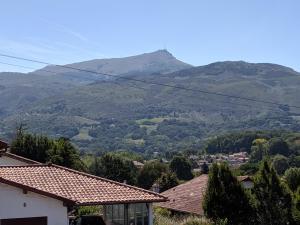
(46, 150)
(117, 166)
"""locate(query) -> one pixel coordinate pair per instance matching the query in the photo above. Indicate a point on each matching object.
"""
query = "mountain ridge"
(138, 116)
(160, 61)
(116, 113)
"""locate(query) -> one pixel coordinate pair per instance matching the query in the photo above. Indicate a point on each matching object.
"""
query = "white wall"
(150, 212)
(7, 161)
(12, 202)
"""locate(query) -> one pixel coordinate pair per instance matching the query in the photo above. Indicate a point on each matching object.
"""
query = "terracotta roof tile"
(72, 186)
(186, 197)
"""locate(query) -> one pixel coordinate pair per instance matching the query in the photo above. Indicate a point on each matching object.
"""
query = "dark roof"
(73, 187)
(19, 158)
(188, 197)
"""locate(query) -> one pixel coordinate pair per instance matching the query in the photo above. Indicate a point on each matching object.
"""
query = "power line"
(15, 65)
(26, 67)
(141, 88)
(153, 83)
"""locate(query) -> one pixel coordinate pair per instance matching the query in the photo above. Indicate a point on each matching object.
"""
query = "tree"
(115, 168)
(296, 207)
(278, 146)
(225, 198)
(292, 178)
(249, 168)
(280, 164)
(204, 168)
(96, 167)
(181, 167)
(151, 171)
(259, 149)
(273, 201)
(167, 181)
(43, 149)
(30, 146)
(294, 161)
(65, 154)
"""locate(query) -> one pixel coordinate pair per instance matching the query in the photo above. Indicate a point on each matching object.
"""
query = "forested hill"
(126, 114)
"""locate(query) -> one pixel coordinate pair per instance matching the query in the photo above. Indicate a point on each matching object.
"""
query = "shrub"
(195, 221)
(167, 220)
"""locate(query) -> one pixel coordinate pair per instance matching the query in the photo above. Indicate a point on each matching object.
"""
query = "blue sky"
(195, 31)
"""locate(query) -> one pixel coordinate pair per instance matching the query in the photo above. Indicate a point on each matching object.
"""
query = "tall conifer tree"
(273, 201)
(225, 198)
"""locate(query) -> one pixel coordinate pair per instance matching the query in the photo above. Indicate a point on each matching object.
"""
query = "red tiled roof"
(186, 197)
(73, 187)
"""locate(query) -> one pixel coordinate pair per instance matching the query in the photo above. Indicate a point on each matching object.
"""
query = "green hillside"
(123, 114)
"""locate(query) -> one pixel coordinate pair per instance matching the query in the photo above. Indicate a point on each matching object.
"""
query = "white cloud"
(64, 29)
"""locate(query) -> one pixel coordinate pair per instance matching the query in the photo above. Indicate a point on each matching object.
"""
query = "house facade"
(18, 207)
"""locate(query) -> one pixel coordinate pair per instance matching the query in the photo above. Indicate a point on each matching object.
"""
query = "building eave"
(37, 191)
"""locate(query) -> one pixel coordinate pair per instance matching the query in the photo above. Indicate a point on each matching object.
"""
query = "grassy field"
(83, 135)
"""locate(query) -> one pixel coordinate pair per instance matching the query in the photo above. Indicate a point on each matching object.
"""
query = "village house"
(138, 164)
(32, 193)
(187, 198)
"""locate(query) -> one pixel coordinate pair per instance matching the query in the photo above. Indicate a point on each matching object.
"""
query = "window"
(129, 214)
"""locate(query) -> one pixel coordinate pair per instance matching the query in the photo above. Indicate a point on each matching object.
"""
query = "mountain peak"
(158, 62)
(162, 52)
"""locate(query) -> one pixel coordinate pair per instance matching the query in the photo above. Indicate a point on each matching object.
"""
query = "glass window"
(145, 214)
(108, 213)
(131, 214)
(139, 214)
(135, 214)
(118, 216)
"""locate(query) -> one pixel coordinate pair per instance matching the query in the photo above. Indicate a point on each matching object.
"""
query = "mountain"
(127, 114)
(18, 90)
(158, 62)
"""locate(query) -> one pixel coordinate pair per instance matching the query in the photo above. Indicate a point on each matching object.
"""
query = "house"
(138, 164)
(246, 181)
(44, 194)
(187, 198)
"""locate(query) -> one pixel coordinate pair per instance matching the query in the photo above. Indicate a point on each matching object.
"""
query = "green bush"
(89, 210)
(167, 220)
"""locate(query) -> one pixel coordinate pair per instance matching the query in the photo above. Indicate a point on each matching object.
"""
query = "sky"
(198, 32)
